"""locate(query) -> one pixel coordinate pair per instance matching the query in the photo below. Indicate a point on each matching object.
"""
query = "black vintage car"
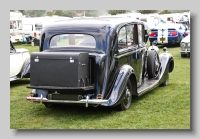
(95, 62)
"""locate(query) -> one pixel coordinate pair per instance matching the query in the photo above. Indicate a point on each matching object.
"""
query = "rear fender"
(167, 65)
(167, 62)
(125, 72)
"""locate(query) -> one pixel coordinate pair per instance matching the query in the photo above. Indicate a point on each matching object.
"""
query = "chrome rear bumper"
(82, 101)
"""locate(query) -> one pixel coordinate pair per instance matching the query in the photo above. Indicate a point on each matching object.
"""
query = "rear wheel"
(153, 64)
(127, 99)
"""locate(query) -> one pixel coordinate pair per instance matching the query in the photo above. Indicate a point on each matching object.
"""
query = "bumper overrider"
(86, 101)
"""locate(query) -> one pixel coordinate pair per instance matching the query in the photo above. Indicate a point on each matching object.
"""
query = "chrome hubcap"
(127, 96)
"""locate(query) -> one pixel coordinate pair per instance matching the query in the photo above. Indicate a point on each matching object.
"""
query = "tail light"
(173, 33)
(185, 34)
(34, 34)
(153, 34)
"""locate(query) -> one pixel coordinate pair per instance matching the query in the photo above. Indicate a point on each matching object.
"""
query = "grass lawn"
(163, 108)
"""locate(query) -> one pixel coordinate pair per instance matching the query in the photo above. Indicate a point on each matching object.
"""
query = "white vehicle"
(19, 63)
(185, 46)
(32, 29)
(16, 34)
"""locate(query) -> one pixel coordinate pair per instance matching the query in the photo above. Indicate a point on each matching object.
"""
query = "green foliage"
(178, 11)
(35, 13)
(147, 11)
(50, 13)
(58, 12)
(69, 13)
(115, 12)
(165, 12)
(22, 11)
(91, 13)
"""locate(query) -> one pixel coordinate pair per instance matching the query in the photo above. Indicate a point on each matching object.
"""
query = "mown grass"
(163, 108)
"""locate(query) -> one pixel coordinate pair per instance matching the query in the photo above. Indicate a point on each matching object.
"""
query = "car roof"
(98, 22)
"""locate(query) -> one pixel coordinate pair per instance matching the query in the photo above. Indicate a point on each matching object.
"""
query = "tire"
(153, 64)
(127, 100)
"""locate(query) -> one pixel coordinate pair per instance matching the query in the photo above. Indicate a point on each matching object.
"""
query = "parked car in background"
(19, 63)
(168, 33)
(96, 62)
(32, 29)
(185, 46)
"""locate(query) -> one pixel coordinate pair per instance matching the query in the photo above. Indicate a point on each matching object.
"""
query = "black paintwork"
(110, 68)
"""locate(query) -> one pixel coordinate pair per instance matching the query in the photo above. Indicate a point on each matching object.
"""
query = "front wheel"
(127, 99)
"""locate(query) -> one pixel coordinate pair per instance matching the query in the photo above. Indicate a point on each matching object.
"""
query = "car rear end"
(164, 35)
(66, 74)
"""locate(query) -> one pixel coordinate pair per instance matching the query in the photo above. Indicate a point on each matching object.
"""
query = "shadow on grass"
(19, 82)
(80, 110)
(168, 45)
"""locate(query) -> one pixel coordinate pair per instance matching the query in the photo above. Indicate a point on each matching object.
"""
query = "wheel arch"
(126, 72)
(133, 80)
(171, 65)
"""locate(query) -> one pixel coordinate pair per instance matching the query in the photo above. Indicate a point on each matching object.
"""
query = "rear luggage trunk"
(61, 70)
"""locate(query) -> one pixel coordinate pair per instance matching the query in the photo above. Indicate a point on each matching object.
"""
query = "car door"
(129, 50)
(141, 49)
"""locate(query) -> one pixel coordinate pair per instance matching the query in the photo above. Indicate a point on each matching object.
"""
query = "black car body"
(107, 68)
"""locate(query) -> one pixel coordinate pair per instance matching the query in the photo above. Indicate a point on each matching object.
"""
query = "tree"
(58, 12)
(165, 12)
(115, 12)
(91, 13)
(35, 13)
(147, 11)
(178, 11)
(50, 13)
(22, 11)
(69, 13)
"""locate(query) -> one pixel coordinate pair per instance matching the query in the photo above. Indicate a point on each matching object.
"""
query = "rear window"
(38, 27)
(73, 40)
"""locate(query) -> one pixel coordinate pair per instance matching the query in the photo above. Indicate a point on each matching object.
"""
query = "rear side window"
(73, 40)
(125, 37)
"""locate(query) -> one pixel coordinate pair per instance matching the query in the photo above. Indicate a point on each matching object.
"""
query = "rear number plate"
(162, 39)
